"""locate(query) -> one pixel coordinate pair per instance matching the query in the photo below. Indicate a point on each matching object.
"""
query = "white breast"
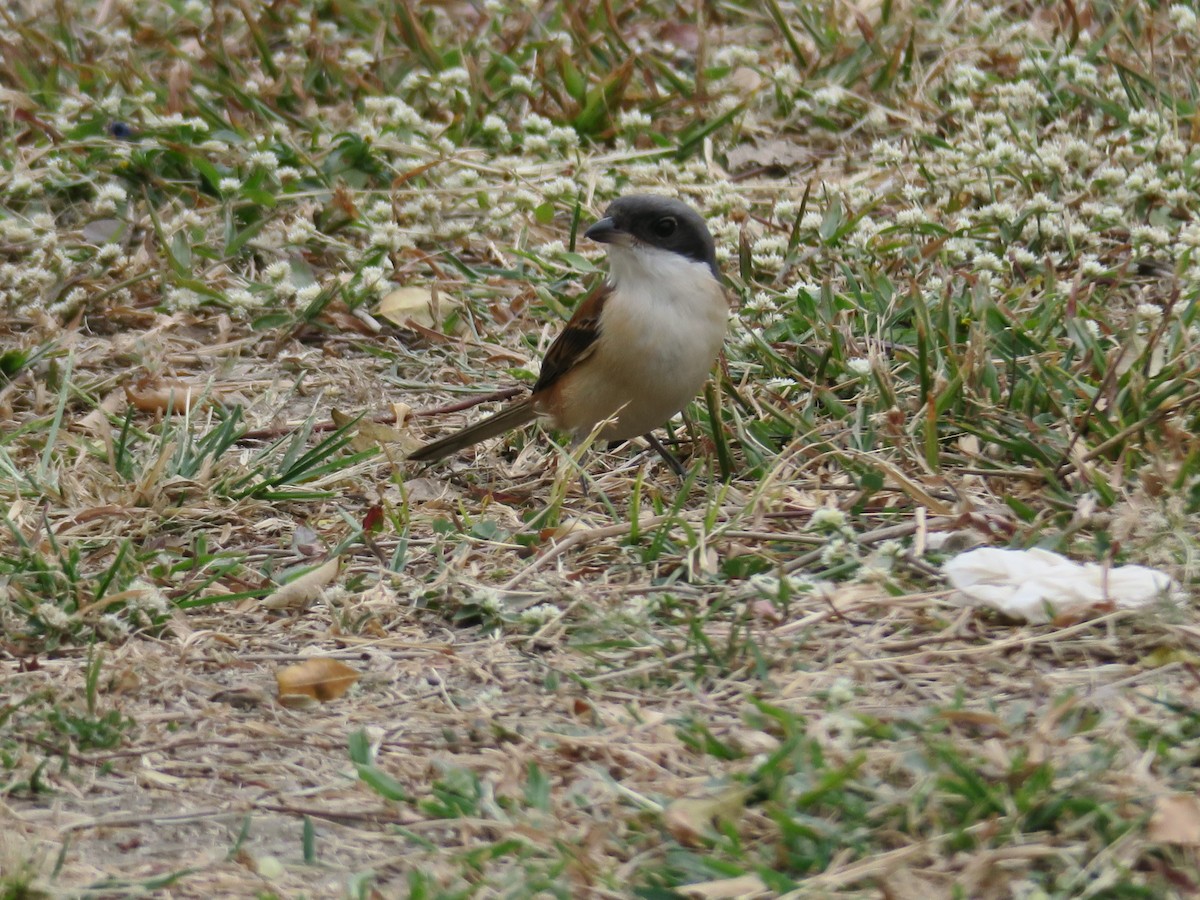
(661, 331)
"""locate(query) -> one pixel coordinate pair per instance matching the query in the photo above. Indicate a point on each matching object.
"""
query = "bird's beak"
(606, 232)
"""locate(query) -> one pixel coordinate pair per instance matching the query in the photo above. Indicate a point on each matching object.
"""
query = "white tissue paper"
(1037, 585)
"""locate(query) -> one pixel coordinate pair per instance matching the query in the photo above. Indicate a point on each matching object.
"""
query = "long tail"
(512, 417)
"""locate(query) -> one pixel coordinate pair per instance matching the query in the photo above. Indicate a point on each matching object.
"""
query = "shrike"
(640, 346)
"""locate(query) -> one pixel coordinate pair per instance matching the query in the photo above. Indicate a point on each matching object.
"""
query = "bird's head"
(648, 223)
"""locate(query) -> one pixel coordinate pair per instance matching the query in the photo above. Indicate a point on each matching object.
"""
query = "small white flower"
(241, 298)
(562, 137)
(278, 271)
(861, 367)
(488, 599)
(493, 125)
(1151, 234)
(838, 550)
(639, 607)
(988, 262)
(1184, 18)
(300, 231)
(760, 302)
(372, 278)
(563, 40)
(111, 192)
(183, 299)
(1040, 204)
(634, 120)
(540, 614)
(112, 626)
(827, 519)
(149, 598)
(265, 159)
(830, 95)
(53, 616)
(357, 58)
(1022, 257)
(308, 293)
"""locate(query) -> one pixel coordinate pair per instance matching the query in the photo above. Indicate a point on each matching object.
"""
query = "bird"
(639, 347)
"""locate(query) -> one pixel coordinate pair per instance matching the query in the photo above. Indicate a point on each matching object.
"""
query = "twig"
(217, 812)
(504, 394)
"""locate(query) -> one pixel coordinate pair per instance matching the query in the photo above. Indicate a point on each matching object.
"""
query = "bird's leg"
(667, 455)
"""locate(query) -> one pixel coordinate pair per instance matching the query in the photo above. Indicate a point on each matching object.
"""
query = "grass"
(963, 244)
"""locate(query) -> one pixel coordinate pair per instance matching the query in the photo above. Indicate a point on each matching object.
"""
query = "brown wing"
(576, 342)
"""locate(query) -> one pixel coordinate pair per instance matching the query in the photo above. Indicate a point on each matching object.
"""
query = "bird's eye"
(664, 227)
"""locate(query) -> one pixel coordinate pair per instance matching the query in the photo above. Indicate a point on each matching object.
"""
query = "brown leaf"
(125, 681)
(1176, 820)
(165, 397)
(320, 678)
(368, 433)
(402, 412)
(689, 818)
(298, 701)
(303, 590)
(984, 721)
(379, 433)
(97, 420)
(417, 305)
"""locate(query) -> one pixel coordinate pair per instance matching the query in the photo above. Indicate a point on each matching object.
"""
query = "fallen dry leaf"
(564, 529)
(1176, 820)
(367, 433)
(402, 412)
(303, 590)
(320, 678)
(689, 818)
(124, 681)
(97, 420)
(420, 305)
(169, 398)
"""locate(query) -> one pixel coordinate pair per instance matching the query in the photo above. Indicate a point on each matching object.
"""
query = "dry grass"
(962, 240)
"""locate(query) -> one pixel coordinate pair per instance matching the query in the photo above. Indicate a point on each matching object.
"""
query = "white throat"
(649, 270)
